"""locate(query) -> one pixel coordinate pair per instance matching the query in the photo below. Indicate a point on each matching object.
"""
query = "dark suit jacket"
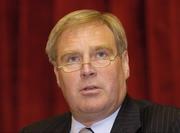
(133, 117)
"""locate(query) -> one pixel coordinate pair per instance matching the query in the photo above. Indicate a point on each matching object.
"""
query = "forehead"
(85, 37)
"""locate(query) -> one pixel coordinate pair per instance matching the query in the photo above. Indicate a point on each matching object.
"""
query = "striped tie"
(86, 130)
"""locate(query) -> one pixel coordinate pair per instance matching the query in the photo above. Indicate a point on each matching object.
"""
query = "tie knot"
(86, 130)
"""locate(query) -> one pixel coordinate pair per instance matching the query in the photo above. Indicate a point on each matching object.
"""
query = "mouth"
(90, 90)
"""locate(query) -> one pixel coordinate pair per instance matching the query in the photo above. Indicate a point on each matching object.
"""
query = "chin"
(94, 108)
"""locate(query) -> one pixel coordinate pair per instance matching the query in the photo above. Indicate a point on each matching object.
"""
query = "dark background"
(28, 90)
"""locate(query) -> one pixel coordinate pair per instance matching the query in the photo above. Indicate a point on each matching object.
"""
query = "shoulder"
(152, 111)
(159, 117)
(49, 124)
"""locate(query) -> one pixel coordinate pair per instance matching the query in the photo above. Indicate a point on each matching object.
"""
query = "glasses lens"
(95, 63)
(71, 67)
(100, 63)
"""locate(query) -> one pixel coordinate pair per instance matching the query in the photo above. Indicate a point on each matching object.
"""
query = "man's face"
(91, 92)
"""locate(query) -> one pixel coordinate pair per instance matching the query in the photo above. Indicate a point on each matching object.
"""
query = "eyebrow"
(67, 53)
(103, 46)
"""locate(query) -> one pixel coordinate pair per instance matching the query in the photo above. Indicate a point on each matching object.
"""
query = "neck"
(88, 119)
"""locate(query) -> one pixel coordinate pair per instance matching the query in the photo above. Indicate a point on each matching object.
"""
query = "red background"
(28, 90)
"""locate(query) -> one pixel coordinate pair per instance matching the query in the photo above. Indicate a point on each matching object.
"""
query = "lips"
(89, 90)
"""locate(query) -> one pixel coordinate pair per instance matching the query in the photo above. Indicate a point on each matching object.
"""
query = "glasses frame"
(112, 58)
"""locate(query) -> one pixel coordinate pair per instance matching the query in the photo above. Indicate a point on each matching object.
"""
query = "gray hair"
(85, 16)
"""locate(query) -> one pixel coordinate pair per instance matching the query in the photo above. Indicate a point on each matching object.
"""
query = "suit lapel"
(65, 126)
(128, 119)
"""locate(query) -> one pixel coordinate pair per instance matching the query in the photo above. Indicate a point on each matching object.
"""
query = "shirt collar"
(103, 126)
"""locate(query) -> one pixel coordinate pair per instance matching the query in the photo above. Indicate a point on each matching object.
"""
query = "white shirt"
(103, 126)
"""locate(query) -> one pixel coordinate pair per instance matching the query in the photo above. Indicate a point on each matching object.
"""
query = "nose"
(87, 71)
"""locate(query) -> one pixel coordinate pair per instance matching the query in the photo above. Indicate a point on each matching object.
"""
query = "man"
(89, 53)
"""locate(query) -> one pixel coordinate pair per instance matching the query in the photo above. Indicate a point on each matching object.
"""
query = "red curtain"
(27, 83)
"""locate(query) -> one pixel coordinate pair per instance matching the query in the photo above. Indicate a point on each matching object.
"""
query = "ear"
(125, 63)
(57, 75)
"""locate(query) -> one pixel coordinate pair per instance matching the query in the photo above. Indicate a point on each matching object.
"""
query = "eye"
(102, 54)
(71, 59)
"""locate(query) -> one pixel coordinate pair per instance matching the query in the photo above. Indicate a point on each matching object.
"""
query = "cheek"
(68, 83)
(108, 77)
(113, 78)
